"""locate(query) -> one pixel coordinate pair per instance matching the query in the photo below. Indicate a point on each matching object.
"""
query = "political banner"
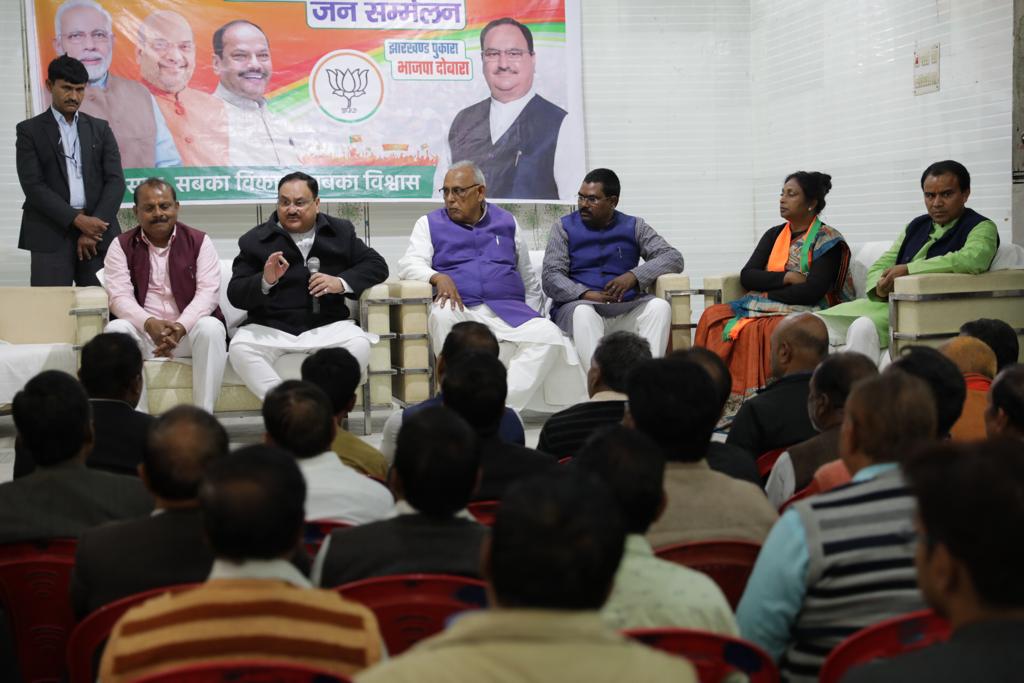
(375, 99)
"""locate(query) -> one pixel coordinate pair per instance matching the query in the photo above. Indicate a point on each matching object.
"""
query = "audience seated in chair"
(830, 386)
(62, 497)
(968, 565)
(999, 336)
(977, 363)
(337, 372)
(649, 592)
(437, 467)
(474, 386)
(123, 558)
(111, 373)
(1004, 415)
(299, 418)
(777, 416)
(464, 336)
(614, 358)
(840, 561)
(255, 603)
(948, 391)
(722, 457)
(550, 564)
(675, 403)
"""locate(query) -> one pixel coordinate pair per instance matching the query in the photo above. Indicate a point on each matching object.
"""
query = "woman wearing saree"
(800, 266)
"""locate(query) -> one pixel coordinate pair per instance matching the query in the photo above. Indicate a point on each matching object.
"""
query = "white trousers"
(529, 351)
(204, 344)
(859, 335)
(651, 320)
(256, 348)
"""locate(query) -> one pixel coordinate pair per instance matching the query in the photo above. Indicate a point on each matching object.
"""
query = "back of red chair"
(34, 579)
(766, 461)
(411, 607)
(93, 631)
(728, 563)
(316, 530)
(714, 655)
(244, 671)
(888, 638)
(484, 511)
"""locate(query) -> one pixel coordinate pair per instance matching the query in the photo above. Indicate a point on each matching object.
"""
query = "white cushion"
(1009, 256)
(864, 258)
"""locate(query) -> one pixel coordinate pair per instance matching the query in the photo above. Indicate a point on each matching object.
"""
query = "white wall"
(832, 90)
(703, 106)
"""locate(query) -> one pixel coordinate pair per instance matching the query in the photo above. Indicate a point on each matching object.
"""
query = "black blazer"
(775, 418)
(66, 499)
(407, 544)
(288, 305)
(47, 214)
(120, 433)
(123, 558)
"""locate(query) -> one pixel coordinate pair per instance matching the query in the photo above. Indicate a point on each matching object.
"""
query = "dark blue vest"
(596, 257)
(520, 165)
(482, 262)
(509, 431)
(921, 227)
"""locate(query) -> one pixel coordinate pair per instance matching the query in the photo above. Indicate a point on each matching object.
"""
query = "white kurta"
(532, 352)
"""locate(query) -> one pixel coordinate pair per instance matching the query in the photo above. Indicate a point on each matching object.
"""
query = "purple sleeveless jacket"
(482, 262)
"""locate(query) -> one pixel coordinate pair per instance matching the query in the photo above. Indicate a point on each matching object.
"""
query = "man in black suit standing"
(117, 560)
(70, 171)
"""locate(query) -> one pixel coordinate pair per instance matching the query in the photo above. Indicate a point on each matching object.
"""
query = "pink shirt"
(159, 298)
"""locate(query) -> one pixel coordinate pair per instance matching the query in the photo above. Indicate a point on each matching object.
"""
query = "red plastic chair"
(34, 579)
(805, 492)
(888, 638)
(728, 563)
(92, 632)
(766, 461)
(484, 510)
(411, 607)
(316, 530)
(714, 655)
(244, 671)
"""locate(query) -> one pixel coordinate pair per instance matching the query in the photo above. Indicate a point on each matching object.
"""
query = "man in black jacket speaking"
(292, 275)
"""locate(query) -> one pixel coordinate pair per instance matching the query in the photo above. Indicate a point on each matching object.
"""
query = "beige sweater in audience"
(703, 504)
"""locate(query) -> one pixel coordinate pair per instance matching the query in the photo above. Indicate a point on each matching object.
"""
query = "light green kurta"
(975, 257)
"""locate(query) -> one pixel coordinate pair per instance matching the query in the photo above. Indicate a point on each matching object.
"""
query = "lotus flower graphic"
(348, 83)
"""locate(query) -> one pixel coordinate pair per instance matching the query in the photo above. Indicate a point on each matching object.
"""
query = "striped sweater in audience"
(246, 618)
(860, 543)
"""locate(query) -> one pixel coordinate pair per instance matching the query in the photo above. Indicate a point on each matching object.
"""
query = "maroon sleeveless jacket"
(181, 264)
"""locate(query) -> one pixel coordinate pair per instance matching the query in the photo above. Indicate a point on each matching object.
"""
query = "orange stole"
(748, 357)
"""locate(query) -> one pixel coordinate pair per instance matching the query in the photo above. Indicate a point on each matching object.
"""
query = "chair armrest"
(91, 312)
(930, 308)
(720, 289)
(410, 348)
(675, 288)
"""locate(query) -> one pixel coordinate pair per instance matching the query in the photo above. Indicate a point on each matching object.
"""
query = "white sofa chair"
(925, 309)
(414, 360)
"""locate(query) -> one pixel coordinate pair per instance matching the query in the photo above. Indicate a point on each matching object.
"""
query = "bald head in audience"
(1005, 413)
(886, 416)
(180, 446)
(971, 355)
(798, 344)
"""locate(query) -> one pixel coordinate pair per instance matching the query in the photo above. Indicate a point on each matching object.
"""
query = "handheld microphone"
(313, 264)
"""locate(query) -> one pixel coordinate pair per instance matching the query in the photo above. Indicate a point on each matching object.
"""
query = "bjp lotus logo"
(347, 86)
(348, 83)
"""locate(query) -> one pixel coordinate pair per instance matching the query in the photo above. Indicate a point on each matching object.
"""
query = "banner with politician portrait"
(376, 99)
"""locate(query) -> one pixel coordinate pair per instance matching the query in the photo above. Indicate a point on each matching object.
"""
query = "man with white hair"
(83, 29)
(474, 255)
